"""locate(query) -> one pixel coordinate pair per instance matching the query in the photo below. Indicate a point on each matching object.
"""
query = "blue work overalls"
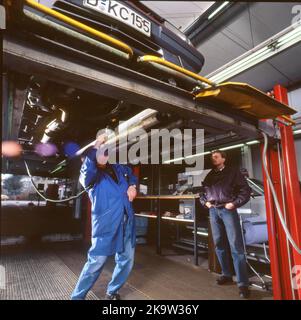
(113, 225)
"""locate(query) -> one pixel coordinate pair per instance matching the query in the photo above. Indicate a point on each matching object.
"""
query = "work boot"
(224, 280)
(244, 292)
(113, 296)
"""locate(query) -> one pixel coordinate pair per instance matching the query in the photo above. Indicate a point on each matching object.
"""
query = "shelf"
(173, 217)
(177, 219)
(169, 197)
(145, 215)
(164, 218)
(258, 245)
(258, 258)
(190, 242)
(200, 233)
(189, 246)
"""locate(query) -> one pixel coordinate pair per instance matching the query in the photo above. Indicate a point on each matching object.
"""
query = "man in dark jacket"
(226, 189)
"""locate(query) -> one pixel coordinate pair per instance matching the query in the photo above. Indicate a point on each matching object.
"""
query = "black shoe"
(224, 280)
(113, 296)
(244, 292)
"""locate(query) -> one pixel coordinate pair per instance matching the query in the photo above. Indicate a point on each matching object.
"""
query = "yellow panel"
(246, 98)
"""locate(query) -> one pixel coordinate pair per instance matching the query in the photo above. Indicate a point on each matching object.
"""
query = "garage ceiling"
(258, 22)
(180, 13)
(282, 69)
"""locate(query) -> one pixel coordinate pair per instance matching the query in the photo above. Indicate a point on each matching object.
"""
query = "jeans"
(225, 223)
(94, 266)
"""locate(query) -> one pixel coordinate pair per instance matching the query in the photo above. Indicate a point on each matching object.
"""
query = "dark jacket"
(224, 186)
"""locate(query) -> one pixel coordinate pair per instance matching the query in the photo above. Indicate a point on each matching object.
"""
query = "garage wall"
(294, 98)
(256, 160)
(298, 153)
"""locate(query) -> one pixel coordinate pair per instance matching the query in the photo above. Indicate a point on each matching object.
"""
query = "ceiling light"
(252, 142)
(191, 156)
(232, 147)
(208, 152)
(217, 10)
(63, 116)
(269, 48)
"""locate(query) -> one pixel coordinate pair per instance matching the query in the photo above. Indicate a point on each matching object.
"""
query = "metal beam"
(73, 68)
(292, 187)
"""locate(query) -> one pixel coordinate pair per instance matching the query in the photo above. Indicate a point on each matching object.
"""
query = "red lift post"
(290, 202)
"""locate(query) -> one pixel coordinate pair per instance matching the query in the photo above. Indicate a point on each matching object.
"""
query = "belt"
(218, 205)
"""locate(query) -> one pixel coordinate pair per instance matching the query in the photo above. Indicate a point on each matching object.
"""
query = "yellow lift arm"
(100, 35)
(233, 95)
(246, 98)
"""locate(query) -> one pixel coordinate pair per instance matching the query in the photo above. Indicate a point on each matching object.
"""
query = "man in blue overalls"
(113, 221)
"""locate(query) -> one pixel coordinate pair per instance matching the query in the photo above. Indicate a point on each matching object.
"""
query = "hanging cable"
(52, 200)
(279, 211)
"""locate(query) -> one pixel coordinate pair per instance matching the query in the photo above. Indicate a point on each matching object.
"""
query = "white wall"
(294, 99)
(256, 161)
(298, 153)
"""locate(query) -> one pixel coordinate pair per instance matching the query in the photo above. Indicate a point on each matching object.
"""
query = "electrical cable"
(52, 200)
(279, 211)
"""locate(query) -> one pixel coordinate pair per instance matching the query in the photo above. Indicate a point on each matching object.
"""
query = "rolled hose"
(279, 211)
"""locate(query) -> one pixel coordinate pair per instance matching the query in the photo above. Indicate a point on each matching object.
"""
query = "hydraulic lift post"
(292, 187)
(282, 255)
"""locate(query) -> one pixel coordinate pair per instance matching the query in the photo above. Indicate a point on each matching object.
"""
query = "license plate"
(120, 12)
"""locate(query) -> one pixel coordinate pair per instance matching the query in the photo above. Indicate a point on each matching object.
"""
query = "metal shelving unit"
(159, 218)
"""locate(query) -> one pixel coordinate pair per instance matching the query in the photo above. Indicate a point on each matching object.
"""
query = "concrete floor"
(51, 273)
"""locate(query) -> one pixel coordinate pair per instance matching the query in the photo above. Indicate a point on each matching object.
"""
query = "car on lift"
(131, 22)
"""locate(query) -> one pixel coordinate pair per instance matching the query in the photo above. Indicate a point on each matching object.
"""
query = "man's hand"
(132, 193)
(100, 140)
(208, 204)
(230, 206)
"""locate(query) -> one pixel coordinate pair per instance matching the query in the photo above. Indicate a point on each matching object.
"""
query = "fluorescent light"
(51, 123)
(244, 64)
(208, 152)
(232, 147)
(63, 117)
(297, 131)
(124, 128)
(191, 156)
(252, 142)
(197, 154)
(217, 10)
(267, 49)
(173, 160)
